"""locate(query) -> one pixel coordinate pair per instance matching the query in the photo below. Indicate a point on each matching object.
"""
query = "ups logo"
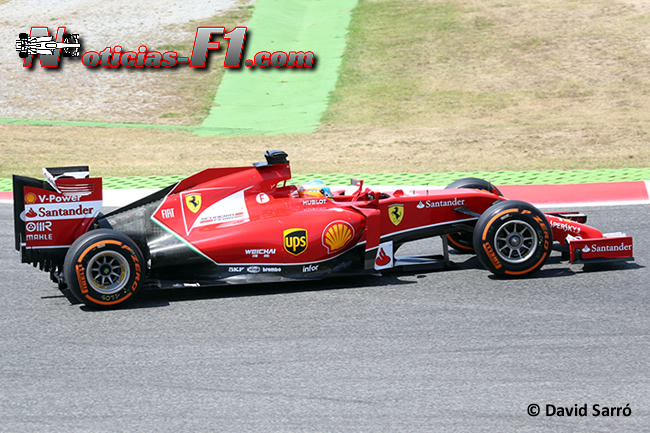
(295, 241)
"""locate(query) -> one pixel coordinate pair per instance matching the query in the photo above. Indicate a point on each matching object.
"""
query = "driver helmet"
(315, 189)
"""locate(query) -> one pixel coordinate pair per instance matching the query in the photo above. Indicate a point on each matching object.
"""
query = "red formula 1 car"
(247, 225)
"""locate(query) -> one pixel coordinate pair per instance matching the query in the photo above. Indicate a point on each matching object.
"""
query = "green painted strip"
(252, 101)
(92, 124)
(550, 177)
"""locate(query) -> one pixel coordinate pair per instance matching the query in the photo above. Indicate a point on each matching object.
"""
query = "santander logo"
(382, 258)
(607, 248)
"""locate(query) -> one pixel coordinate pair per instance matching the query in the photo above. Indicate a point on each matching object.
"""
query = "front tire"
(513, 239)
(463, 241)
(103, 268)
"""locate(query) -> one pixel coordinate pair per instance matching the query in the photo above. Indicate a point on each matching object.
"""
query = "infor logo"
(295, 241)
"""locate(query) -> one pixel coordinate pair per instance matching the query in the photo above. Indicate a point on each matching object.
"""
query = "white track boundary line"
(122, 197)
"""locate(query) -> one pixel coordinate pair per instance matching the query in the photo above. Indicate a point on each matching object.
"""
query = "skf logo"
(396, 213)
(337, 235)
(193, 202)
(295, 241)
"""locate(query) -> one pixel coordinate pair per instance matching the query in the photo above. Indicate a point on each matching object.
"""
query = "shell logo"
(337, 235)
(30, 197)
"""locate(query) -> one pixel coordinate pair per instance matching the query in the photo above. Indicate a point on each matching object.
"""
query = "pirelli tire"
(513, 239)
(463, 241)
(104, 268)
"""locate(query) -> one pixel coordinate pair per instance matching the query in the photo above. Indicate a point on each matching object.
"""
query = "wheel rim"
(108, 272)
(516, 241)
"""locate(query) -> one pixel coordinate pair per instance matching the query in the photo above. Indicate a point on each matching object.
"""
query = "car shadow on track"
(553, 268)
(164, 297)
(153, 298)
(156, 298)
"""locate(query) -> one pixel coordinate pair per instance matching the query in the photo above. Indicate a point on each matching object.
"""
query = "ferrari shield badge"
(193, 202)
(396, 213)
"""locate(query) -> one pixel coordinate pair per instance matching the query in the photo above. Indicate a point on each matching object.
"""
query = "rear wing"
(49, 215)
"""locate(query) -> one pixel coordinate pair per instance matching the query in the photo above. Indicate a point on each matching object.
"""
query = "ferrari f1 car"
(46, 45)
(248, 225)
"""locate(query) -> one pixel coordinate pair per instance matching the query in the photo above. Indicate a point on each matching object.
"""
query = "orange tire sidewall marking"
(97, 301)
(81, 272)
(95, 245)
(82, 283)
(487, 227)
(456, 244)
(545, 229)
(528, 270)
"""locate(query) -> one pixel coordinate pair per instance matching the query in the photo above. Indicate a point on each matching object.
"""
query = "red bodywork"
(231, 212)
(245, 224)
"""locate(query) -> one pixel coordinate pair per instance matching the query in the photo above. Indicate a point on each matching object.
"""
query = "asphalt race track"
(449, 351)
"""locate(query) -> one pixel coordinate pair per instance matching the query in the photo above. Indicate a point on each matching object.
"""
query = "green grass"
(393, 49)
(425, 86)
(424, 63)
(195, 88)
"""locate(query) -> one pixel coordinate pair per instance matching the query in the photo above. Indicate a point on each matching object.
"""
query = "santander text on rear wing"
(50, 215)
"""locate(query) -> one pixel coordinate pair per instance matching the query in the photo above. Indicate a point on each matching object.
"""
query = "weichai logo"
(295, 241)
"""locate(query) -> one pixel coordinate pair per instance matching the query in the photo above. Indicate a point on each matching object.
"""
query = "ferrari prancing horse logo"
(396, 213)
(193, 202)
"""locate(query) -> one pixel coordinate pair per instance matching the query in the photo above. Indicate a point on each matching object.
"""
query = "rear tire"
(513, 239)
(103, 268)
(463, 241)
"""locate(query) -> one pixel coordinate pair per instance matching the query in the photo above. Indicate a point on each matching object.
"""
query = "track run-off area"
(455, 350)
